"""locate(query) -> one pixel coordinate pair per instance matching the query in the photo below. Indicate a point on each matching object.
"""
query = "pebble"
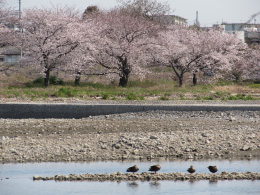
(129, 136)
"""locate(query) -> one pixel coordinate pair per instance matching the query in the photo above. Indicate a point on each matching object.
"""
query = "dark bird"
(191, 169)
(133, 169)
(155, 168)
(213, 169)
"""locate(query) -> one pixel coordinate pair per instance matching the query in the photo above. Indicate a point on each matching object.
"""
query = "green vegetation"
(160, 89)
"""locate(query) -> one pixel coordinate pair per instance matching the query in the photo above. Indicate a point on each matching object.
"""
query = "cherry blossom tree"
(248, 67)
(224, 51)
(7, 20)
(81, 61)
(123, 44)
(50, 35)
(190, 50)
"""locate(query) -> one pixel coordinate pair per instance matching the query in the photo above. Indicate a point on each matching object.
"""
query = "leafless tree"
(145, 8)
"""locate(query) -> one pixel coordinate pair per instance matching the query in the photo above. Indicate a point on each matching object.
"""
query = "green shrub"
(240, 97)
(39, 80)
(256, 85)
(56, 81)
(65, 92)
(164, 98)
(198, 98)
(209, 98)
(142, 98)
(131, 96)
(105, 96)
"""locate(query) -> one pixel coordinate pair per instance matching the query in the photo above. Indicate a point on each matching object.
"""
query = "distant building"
(171, 19)
(14, 14)
(9, 55)
(249, 33)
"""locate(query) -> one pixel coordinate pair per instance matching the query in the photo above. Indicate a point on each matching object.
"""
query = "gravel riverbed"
(132, 136)
(150, 176)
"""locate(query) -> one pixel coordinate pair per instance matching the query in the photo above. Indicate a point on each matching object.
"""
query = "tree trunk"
(124, 79)
(195, 80)
(47, 78)
(125, 71)
(179, 74)
(180, 81)
(77, 78)
(237, 76)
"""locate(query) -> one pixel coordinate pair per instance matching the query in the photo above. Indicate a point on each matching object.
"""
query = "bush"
(131, 96)
(240, 97)
(65, 92)
(198, 98)
(105, 96)
(209, 98)
(56, 81)
(256, 85)
(39, 80)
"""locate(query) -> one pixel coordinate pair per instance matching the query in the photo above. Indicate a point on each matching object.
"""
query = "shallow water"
(20, 178)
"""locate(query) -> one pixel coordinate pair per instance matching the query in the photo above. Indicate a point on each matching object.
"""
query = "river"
(17, 178)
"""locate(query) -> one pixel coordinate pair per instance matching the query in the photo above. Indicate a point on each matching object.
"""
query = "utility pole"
(20, 28)
(197, 19)
(19, 9)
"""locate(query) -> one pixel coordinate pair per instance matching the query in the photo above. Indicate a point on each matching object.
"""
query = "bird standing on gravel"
(133, 169)
(213, 169)
(155, 168)
(191, 169)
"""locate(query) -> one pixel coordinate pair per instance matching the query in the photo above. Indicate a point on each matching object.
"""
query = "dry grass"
(237, 89)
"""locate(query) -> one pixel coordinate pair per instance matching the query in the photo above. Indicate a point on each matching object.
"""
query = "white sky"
(210, 11)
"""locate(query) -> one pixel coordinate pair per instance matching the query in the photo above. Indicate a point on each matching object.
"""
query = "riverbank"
(132, 136)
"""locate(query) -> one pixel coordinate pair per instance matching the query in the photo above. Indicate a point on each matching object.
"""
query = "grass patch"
(158, 89)
(255, 86)
(224, 83)
(105, 96)
(66, 92)
(131, 96)
(240, 97)
(209, 98)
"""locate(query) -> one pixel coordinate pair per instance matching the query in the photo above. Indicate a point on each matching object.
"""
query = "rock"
(232, 118)
(36, 177)
(117, 146)
(151, 134)
(245, 148)
(205, 135)
(119, 173)
(153, 137)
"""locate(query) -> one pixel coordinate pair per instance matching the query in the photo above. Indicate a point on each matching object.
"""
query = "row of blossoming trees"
(122, 42)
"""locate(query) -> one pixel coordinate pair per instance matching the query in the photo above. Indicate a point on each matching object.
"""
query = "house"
(10, 55)
(171, 19)
(247, 32)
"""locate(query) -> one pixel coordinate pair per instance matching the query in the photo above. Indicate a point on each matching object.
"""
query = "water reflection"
(213, 181)
(132, 184)
(155, 184)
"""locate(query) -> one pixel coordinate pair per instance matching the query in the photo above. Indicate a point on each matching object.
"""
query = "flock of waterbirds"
(155, 168)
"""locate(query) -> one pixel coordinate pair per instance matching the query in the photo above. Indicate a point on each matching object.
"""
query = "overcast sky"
(210, 11)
